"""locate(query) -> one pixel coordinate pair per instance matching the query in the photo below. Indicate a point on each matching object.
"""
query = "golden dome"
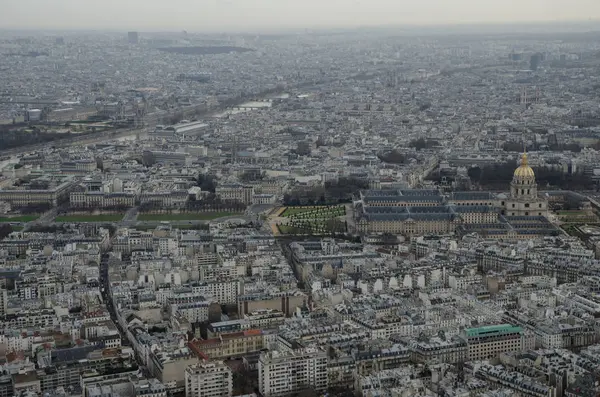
(524, 170)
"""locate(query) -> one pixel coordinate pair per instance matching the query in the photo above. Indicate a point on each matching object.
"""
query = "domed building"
(524, 199)
(520, 214)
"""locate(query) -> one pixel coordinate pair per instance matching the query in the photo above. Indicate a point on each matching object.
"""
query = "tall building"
(524, 199)
(132, 37)
(534, 61)
(286, 373)
(208, 379)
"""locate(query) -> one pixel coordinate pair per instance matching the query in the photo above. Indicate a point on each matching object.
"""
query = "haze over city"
(222, 15)
(310, 198)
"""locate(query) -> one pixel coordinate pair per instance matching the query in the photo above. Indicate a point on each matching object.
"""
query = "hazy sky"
(223, 15)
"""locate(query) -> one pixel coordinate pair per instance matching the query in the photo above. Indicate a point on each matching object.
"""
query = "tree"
(252, 175)
(302, 148)
(512, 147)
(389, 239)
(423, 143)
(148, 158)
(38, 208)
(475, 174)
(5, 230)
(206, 183)
(307, 392)
(392, 157)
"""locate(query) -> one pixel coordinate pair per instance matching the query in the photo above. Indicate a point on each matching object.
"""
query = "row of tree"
(334, 192)
(253, 175)
(500, 176)
(34, 208)
(209, 203)
(109, 208)
(423, 143)
(14, 138)
(552, 146)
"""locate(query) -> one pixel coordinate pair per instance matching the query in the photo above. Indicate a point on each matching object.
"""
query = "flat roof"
(493, 329)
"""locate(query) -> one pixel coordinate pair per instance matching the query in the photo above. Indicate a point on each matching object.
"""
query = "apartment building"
(53, 195)
(165, 199)
(235, 192)
(287, 302)
(234, 344)
(371, 361)
(208, 379)
(195, 312)
(438, 350)
(169, 367)
(489, 341)
(265, 318)
(220, 291)
(93, 199)
(284, 373)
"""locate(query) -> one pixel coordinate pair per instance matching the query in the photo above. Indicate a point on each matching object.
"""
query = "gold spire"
(524, 159)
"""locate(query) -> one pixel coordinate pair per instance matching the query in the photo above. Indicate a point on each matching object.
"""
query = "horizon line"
(316, 28)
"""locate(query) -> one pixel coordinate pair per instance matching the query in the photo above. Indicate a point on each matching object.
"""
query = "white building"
(225, 291)
(208, 379)
(235, 191)
(284, 373)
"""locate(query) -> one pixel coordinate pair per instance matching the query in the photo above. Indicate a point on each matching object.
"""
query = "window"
(526, 205)
(513, 206)
(526, 213)
(540, 205)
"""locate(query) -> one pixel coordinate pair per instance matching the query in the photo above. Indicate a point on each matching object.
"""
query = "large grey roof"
(472, 196)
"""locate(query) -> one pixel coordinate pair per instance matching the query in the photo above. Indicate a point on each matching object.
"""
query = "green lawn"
(286, 229)
(206, 216)
(571, 213)
(21, 218)
(90, 218)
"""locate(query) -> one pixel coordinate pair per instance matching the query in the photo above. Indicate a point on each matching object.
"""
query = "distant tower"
(534, 61)
(235, 148)
(132, 37)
